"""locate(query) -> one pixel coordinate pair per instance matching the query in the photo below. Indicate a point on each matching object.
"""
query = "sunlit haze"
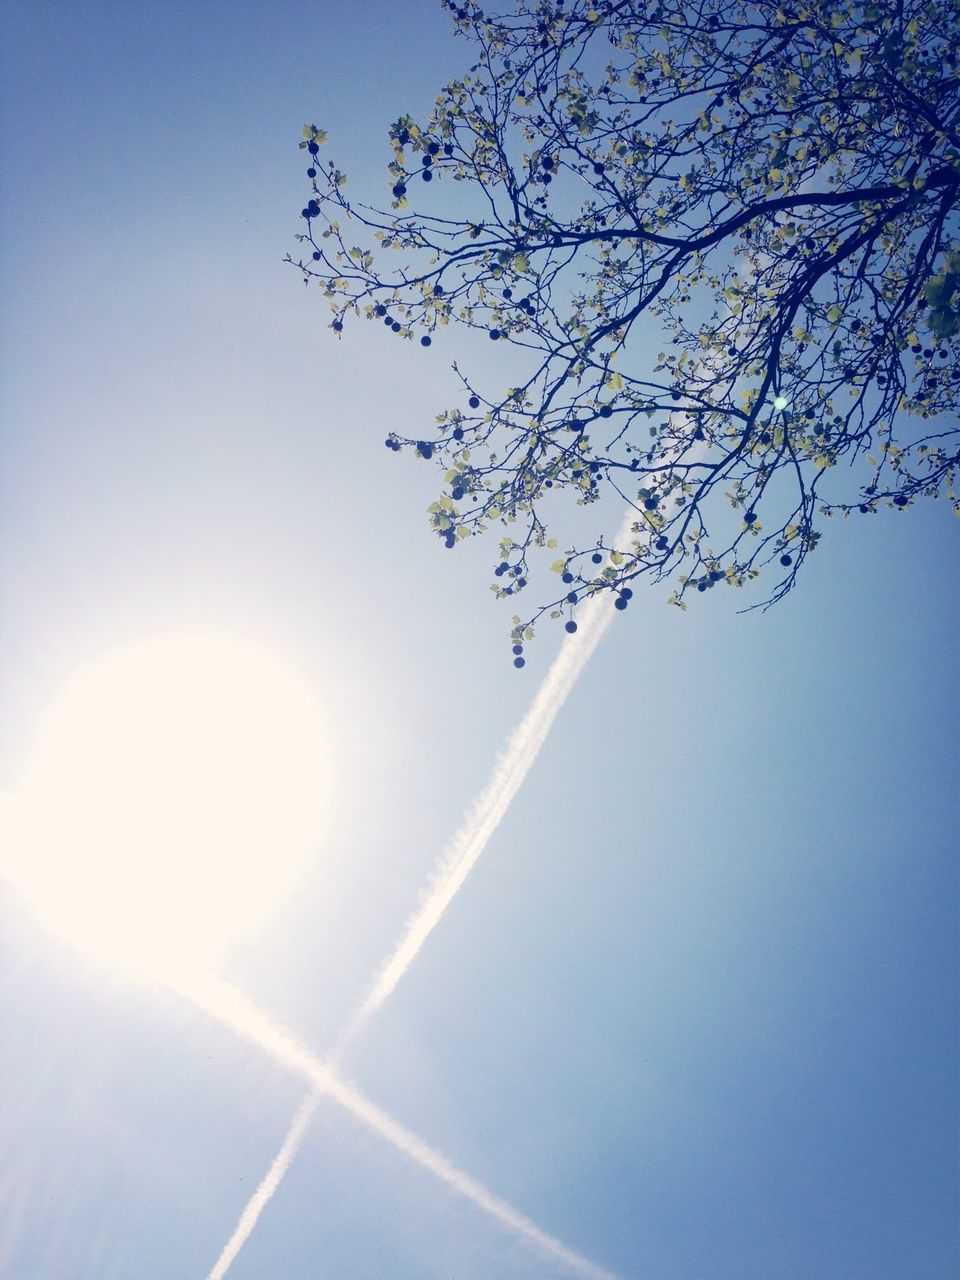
(332, 944)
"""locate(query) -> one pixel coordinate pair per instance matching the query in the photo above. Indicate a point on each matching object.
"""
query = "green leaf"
(943, 322)
(938, 291)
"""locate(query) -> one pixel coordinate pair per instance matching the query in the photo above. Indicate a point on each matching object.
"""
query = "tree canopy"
(719, 244)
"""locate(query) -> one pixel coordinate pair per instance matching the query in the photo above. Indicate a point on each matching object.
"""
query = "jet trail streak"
(272, 1179)
(452, 869)
(227, 1005)
(489, 808)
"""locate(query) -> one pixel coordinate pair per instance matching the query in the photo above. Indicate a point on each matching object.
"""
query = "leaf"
(939, 290)
(943, 322)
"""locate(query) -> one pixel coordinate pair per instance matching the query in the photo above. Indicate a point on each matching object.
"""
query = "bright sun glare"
(173, 795)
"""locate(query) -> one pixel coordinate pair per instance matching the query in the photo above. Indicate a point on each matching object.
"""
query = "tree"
(776, 185)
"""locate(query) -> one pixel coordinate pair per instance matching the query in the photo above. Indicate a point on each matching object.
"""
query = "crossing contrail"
(451, 871)
(222, 1001)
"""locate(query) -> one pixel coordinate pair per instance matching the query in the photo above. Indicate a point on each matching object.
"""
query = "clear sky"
(694, 1011)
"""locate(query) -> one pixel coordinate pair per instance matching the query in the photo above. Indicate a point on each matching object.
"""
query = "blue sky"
(694, 1012)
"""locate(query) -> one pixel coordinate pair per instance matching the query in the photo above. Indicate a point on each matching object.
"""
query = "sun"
(174, 792)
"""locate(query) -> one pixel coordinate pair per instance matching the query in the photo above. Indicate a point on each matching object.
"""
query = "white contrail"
(455, 864)
(441, 1167)
(489, 808)
(217, 998)
(272, 1179)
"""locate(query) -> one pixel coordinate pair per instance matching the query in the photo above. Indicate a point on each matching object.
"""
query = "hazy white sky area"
(693, 1013)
